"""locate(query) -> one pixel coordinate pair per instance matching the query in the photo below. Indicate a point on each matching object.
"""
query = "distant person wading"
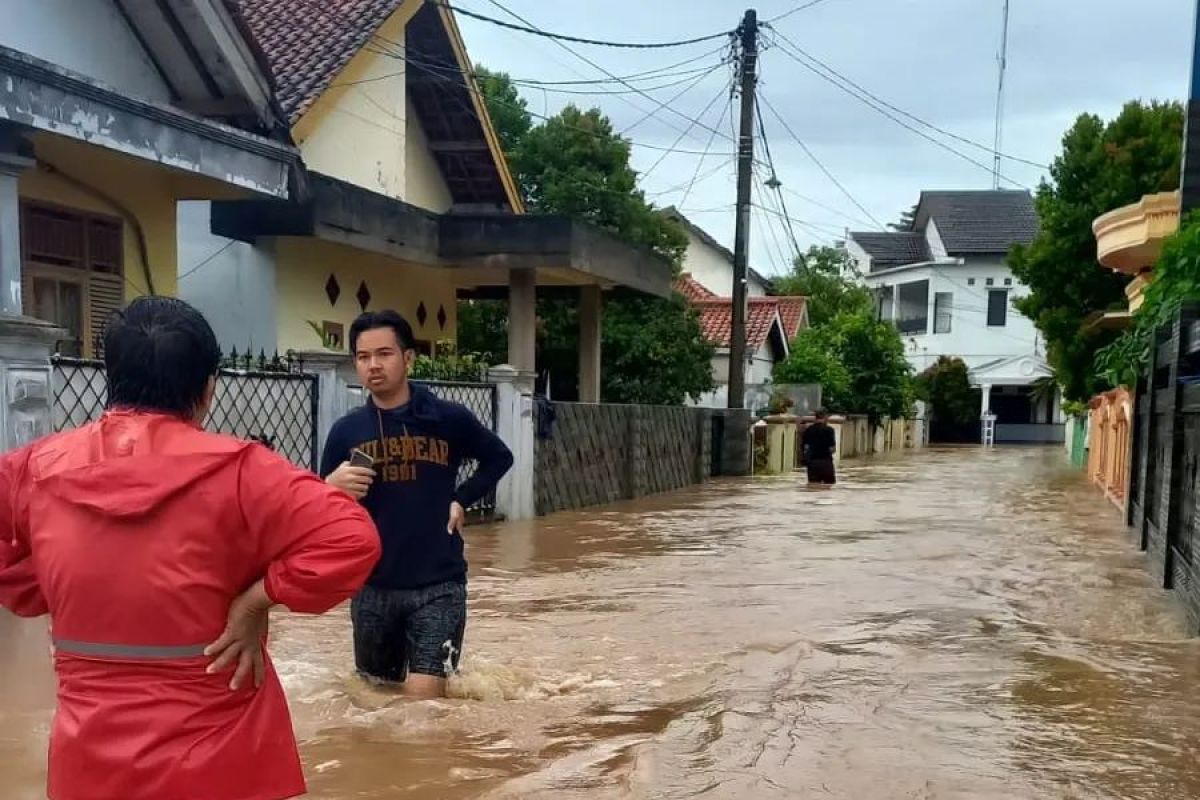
(819, 444)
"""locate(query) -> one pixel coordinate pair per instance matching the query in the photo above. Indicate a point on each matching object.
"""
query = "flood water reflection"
(953, 624)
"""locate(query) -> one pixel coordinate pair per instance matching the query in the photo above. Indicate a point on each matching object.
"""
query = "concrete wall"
(232, 283)
(970, 338)
(147, 192)
(425, 185)
(599, 454)
(304, 267)
(357, 130)
(713, 270)
(85, 36)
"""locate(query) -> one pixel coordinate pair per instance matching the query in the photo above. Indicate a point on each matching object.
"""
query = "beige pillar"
(522, 319)
(590, 324)
(15, 157)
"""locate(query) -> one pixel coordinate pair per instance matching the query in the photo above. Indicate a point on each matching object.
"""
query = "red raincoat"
(135, 534)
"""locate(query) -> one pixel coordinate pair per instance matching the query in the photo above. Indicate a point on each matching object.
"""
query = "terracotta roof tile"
(691, 288)
(307, 47)
(716, 320)
(792, 310)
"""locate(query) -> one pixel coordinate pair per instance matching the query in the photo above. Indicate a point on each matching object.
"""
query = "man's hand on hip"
(354, 481)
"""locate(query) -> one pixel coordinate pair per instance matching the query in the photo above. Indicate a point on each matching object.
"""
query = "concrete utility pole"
(1000, 99)
(741, 237)
(1190, 179)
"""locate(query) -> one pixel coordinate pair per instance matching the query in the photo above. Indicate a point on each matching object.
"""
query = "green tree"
(859, 362)
(1101, 167)
(574, 163)
(946, 386)
(829, 278)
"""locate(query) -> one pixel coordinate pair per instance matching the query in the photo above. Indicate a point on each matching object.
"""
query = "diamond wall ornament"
(363, 296)
(422, 314)
(333, 290)
(441, 317)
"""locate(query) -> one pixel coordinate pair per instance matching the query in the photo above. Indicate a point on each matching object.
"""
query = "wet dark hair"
(159, 354)
(821, 413)
(374, 320)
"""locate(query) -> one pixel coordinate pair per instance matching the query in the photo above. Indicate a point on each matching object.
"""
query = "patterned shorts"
(401, 630)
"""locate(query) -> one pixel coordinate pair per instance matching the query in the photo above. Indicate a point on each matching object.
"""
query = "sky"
(934, 59)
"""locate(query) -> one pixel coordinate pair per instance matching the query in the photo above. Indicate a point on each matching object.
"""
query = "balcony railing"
(913, 325)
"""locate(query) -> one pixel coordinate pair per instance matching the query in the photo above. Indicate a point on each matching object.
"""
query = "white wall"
(970, 338)
(85, 36)
(230, 282)
(713, 270)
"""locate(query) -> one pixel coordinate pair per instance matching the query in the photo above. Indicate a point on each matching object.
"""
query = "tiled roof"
(893, 249)
(691, 288)
(980, 222)
(792, 312)
(716, 320)
(307, 47)
(706, 238)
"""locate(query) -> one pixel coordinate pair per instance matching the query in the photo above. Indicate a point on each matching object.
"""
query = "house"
(947, 287)
(111, 112)
(410, 203)
(771, 322)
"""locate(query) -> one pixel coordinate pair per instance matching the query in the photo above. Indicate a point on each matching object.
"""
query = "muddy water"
(957, 624)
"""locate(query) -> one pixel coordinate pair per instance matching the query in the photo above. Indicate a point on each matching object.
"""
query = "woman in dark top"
(820, 443)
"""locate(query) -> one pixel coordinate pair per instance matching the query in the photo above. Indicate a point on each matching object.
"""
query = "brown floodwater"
(951, 624)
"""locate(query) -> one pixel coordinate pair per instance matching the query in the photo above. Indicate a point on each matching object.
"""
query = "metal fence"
(478, 398)
(268, 400)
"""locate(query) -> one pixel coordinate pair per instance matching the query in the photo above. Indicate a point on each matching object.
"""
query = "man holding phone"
(400, 454)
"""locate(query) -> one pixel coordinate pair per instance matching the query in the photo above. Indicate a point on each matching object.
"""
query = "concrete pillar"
(590, 324)
(26, 379)
(985, 400)
(522, 319)
(334, 373)
(515, 496)
(15, 157)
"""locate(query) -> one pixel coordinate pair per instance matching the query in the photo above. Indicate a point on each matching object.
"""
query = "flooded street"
(953, 624)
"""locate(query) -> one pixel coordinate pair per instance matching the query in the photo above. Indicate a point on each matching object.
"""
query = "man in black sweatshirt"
(819, 443)
(410, 617)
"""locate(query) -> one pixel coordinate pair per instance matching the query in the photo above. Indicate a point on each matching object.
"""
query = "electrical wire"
(773, 182)
(699, 164)
(820, 165)
(724, 90)
(937, 142)
(796, 10)
(674, 99)
(533, 30)
(799, 53)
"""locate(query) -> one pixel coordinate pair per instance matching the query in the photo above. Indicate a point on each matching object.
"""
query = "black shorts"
(401, 630)
(821, 471)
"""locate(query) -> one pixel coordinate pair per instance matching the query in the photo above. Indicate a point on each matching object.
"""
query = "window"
(1008, 281)
(997, 308)
(991, 281)
(943, 311)
(72, 272)
(970, 281)
(912, 307)
(884, 303)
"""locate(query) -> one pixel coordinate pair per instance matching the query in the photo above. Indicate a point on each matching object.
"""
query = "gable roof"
(793, 311)
(707, 238)
(308, 47)
(716, 321)
(308, 50)
(979, 222)
(692, 289)
(894, 249)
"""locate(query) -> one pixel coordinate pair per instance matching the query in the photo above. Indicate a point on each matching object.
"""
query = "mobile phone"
(360, 459)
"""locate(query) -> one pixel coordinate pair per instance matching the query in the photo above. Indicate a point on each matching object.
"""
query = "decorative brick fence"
(598, 454)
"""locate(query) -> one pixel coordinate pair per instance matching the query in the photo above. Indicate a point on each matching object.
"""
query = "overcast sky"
(935, 59)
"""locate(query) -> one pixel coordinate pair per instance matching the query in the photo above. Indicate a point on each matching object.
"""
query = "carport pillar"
(522, 319)
(15, 157)
(985, 400)
(590, 325)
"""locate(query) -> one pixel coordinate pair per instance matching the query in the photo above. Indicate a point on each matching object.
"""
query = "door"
(60, 298)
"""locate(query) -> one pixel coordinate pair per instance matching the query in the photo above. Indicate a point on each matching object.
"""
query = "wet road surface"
(952, 624)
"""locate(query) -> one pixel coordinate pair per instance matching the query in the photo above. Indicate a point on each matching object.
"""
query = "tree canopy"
(1102, 166)
(574, 163)
(829, 278)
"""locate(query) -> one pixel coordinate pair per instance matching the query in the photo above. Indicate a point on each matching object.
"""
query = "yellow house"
(99, 143)
(408, 204)
(1129, 240)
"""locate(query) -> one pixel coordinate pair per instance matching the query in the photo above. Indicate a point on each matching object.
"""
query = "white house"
(946, 285)
(771, 322)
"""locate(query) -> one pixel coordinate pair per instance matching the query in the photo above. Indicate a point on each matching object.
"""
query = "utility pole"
(1190, 178)
(741, 237)
(1000, 98)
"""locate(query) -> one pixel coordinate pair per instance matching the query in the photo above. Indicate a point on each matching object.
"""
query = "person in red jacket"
(157, 549)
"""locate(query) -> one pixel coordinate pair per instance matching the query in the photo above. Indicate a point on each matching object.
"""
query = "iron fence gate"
(268, 400)
(478, 398)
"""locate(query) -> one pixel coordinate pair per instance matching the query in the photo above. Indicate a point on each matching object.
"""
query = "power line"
(799, 51)
(699, 164)
(824, 206)
(880, 109)
(773, 182)
(796, 10)
(562, 37)
(675, 98)
(705, 176)
(820, 166)
(724, 90)
(660, 105)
